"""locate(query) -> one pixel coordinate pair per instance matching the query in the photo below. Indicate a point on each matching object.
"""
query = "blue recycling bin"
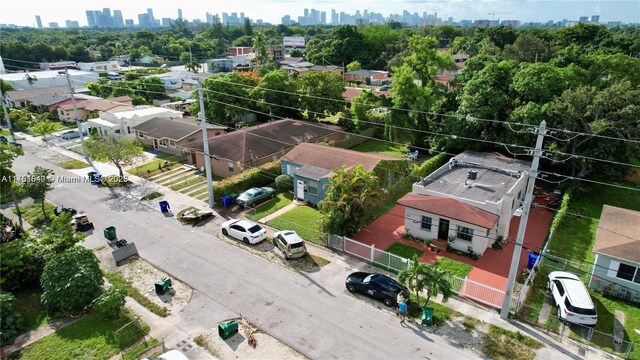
(226, 201)
(533, 257)
(164, 206)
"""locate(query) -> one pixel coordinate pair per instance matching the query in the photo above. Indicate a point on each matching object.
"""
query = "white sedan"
(245, 230)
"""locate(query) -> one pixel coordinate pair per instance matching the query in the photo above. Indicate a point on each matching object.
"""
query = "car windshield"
(579, 310)
(297, 245)
(254, 229)
(368, 279)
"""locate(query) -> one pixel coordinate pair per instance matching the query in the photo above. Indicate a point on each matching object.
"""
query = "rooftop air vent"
(472, 175)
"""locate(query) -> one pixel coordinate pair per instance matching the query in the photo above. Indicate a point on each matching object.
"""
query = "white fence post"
(373, 252)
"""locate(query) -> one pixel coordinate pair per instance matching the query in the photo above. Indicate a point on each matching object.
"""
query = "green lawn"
(382, 147)
(304, 220)
(33, 313)
(137, 351)
(441, 313)
(5, 132)
(455, 267)
(116, 279)
(73, 164)
(5, 194)
(151, 168)
(501, 344)
(32, 213)
(606, 316)
(281, 200)
(404, 251)
(91, 337)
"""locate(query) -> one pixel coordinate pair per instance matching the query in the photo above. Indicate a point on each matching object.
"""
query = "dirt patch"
(266, 249)
(467, 337)
(237, 346)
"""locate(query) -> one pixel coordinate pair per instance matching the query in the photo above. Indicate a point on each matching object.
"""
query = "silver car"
(290, 243)
(255, 195)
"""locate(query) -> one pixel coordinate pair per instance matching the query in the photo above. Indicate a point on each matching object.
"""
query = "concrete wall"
(604, 275)
(479, 242)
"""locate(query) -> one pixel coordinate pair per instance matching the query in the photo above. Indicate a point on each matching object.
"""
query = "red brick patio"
(491, 269)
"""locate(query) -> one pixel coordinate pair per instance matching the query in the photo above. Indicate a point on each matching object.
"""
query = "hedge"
(254, 177)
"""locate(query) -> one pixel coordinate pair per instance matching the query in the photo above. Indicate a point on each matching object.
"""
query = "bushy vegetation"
(258, 176)
(11, 322)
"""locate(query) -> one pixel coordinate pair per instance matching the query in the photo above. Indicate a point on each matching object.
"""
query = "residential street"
(313, 313)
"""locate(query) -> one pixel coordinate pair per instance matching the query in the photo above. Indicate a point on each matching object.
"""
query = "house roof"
(331, 158)
(450, 208)
(366, 72)
(99, 104)
(263, 140)
(325, 68)
(312, 172)
(496, 174)
(351, 92)
(55, 98)
(618, 234)
(21, 95)
(164, 128)
(291, 60)
(140, 111)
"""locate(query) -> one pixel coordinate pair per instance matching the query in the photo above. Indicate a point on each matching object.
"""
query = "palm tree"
(422, 275)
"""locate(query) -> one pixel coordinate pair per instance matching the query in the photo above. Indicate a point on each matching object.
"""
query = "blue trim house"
(311, 165)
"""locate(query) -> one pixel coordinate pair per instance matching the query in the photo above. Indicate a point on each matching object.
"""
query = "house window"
(140, 135)
(190, 140)
(425, 223)
(172, 143)
(312, 187)
(464, 233)
(230, 166)
(628, 272)
(128, 129)
(163, 142)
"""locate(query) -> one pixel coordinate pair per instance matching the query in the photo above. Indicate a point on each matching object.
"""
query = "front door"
(300, 190)
(443, 229)
(155, 144)
(193, 157)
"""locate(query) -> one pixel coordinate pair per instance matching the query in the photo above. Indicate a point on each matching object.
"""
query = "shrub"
(284, 183)
(11, 323)
(21, 264)
(258, 176)
(110, 303)
(70, 281)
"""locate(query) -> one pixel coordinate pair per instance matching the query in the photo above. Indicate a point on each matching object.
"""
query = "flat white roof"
(45, 74)
(138, 112)
(103, 122)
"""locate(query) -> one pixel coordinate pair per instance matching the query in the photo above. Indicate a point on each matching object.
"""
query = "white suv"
(572, 298)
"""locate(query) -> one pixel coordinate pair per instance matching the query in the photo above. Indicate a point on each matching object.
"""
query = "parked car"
(572, 298)
(290, 243)
(60, 209)
(255, 196)
(170, 355)
(385, 87)
(245, 230)
(378, 286)
(69, 134)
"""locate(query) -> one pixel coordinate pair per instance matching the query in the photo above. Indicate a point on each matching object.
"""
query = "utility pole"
(526, 207)
(7, 118)
(75, 115)
(205, 145)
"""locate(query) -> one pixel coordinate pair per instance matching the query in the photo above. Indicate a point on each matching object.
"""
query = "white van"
(114, 76)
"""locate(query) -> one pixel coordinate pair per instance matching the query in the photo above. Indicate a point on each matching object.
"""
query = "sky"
(23, 12)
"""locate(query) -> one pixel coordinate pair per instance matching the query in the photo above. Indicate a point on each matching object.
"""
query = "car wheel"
(351, 288)
(225, 232)
(253, 204)
(273, 195)
(246, 241)
(387, 302)
(559, 313)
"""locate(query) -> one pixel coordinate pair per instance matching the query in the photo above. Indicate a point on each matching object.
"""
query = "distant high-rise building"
(334, 17)
(323, 17)
(583, 19)
(128, 23)
(152, 20)
(595, 19)
(53, 25)
(143, 20)
(286, 20)
(166, 22)
(118, 21)
(179, 13)
(106, 21)
(39, 21)
(71, 24)
(91, 20)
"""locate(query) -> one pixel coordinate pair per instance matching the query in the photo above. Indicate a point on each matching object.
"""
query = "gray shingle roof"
(163, 128)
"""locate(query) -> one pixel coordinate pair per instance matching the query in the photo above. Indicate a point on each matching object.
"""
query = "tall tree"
(8, 153)
(121, 151)
(248, 29)
(38, 183)
(424, 59)
(226, 96)
(260, 48)
(276, 89)
(323, 90)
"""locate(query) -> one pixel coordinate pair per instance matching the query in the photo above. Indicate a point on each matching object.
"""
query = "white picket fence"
(465, 288)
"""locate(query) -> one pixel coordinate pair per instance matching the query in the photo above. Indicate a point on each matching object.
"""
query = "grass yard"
(304, 220)
(116, 279)
(441, 313)
(33, 313)
(156, 166)
(382, 147)
(501, 344)
(141, 349)
(281, 200)
(405, 251)
(91, 337)
(5, 132)
(606, 316)
(455, 267)
(32, 213)
(5, 194)
(73, 164)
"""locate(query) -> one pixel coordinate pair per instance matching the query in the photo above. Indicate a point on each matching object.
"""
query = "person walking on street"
(402, 310)
(399, 299)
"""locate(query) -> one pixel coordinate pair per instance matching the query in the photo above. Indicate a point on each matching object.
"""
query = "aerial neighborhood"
(346, 185)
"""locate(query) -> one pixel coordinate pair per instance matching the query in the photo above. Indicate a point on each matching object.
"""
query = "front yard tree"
(70, 281)
(121, 151)
(8, 153)
(38, 183)
(323, 90)
(43, 126)
(350, 194)
(422, 276)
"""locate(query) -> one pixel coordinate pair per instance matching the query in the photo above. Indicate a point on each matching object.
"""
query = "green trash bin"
(110, 233)
(163, 286)
(227, 329)
(426, 317)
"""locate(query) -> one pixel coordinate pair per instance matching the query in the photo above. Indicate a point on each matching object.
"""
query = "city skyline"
(273, 11)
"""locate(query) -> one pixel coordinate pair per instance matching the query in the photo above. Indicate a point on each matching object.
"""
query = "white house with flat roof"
(47, 79)
(469, 201)
(122, 122)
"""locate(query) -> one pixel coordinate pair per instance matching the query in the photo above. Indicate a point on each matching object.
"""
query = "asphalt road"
(312, 313)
